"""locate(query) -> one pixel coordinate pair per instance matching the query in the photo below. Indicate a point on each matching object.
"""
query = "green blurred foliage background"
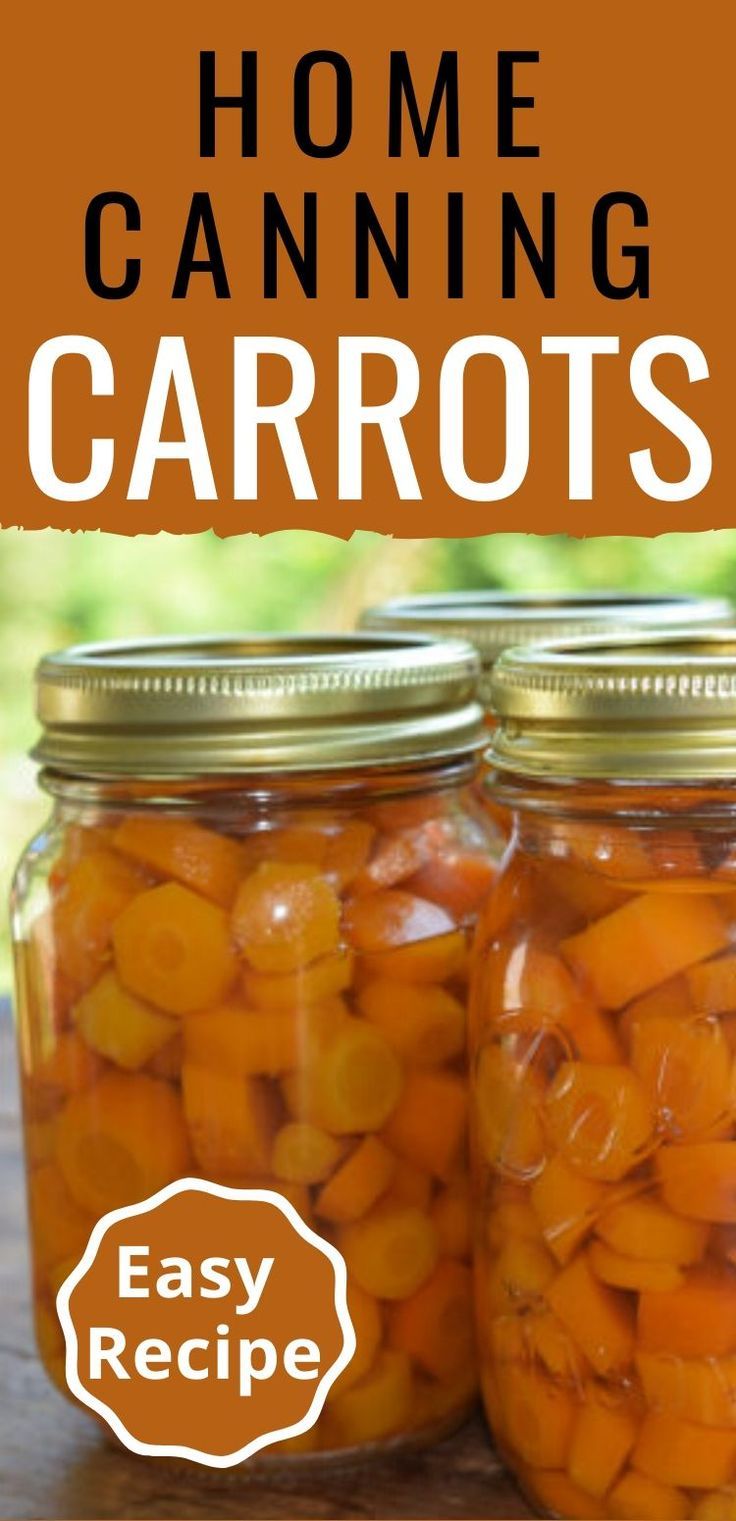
(56, 588)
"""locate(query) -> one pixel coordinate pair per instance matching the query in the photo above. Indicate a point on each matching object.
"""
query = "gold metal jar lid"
(637, 706)
(494, 621)
(236, 703)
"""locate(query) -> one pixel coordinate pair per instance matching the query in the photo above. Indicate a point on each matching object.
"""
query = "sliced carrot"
(347, 851)
(379, 1405)
(304, 1154)
(557, 1495)
(458, 880)
(367, 1316)
(245, 1042)
(60, 1228)
(547, 1341)
(609, 849)
(96, 891)
(670, 1000)
(348, 1083)
(507, 1102)
(511, 1217)
(699, 1181)
(719, 1505)
(428, 1125)
(644, 1228)
(119, 1026)
(199, 858)
(435, 1325)
(679, 1452)
(566, 1205)
(424, 1024)
(598, 1318)
(686, 1067)
(632, 1273)
(436, 959)
(538, 1416)
(599, 1118)
(167, 1062)
(393, 858)
(648, 940)
(285, 917)
(69, 1066)
(391, 1252)
(452, 1220)
(384, 920)
(694, 1389)
(229, 1119)
(712, 985)
(518, 1277)
(541, 985)
(121, 1140)
(309, 984)
(172, 948)
(601, 1442)
(698, 1319)
(410, 1184)
(637, 1498)
(358, 1183)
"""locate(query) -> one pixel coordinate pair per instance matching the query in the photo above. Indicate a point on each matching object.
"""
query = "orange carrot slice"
(391, 1252)
(686, 1067)
(598, 1318)
(116, 1024)
(121, 1140)
(434, 1326)
(285, 917)
(436, 959)
(648, 940)
(599, 1118)
(245, 1042)
(451, 1217)
(358, 1183)
(199, 858)
(637, 1498)
(632, 1273)
(601, 1442)
(309, 984)
(679, 1452)
(348, 1083)
(383, 920)
(424, 1024)
(697, 1319)
(694, 1389)
(379, 1405)
(428, 1125)
(95, 893)
(566, 1205)
(304, 1154)
(644, 1228)
(229, 1119)
(172, 948)
(699, 1181)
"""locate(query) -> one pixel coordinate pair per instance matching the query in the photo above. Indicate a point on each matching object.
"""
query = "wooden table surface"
(56, 1463)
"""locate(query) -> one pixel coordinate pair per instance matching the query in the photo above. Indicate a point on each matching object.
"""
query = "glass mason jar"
(242, 953)
(494, 621)
(603, 1110)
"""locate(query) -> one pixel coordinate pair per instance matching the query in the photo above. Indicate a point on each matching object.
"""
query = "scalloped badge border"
(236, 1195)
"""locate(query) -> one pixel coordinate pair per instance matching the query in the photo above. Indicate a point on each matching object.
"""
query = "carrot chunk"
(378, 1405)
(391, 1252)
(644, 1228)
(599, 1118)
(566, 1205)
(458, 880)
(435, 1325)
(293, 990)
(720, 1505)
(698, 1319)
(557, 1495)
(598, 1318)
(172, 948)
(285, 917)
(121, 1140)
(646, 941)
(424, 1024)
(382, 921)
(367, 1316)
(410, 1184)
(116, 1024)
(451, 1216)
(633, 1273)
(358, 1183)
(518, 1276)
(436, 959)
(686, 1067)
(507, 1100)
(229, 1121)
(94, 894)
(69, 1066)
(243, 1041)
(207, 862)
(699, 1181)
(601, 1442)
(428, 1125)
(694, 1389)
(637, 1498)
(303, 1153)
(538, 1417)
(681, 1453)
(348, 1083)
(712, 985)
(60, 1228)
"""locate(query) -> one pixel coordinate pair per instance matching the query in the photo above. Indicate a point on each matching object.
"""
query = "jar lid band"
(232, 703)
(637, 706)
(494, 621)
